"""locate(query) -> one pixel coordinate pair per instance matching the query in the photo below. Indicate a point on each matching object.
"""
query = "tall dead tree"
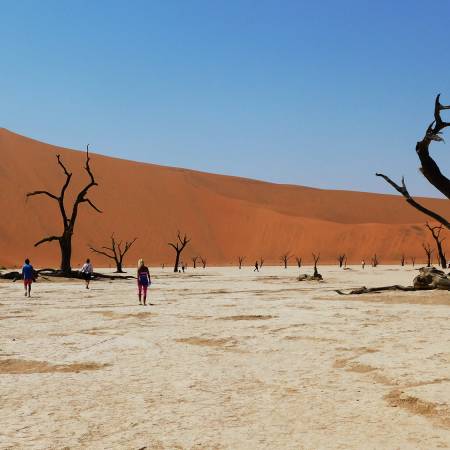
(316, 260)
(413, 260)
(285, 259)
(402, 260)
(429, 253)
(299, 261)
(436, 232)
(203, 261)
(68, 218)
(429, 168)
(341, 259)
(241, 260)
(116, 252)
(194, 260)
(179, 246)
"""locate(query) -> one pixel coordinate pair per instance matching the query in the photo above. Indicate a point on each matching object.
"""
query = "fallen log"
(429, 278)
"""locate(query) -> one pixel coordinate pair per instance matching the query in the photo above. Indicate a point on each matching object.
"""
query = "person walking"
(28, 277)
(86, 272)
(143, 280)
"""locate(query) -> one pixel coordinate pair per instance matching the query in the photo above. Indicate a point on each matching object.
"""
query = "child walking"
(28, 277)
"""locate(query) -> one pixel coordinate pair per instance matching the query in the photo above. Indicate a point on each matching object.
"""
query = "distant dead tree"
(194, 260)
(436, 232)
(241, 260)
(429, 168)
(429, 253)
(299, 261)
(341, 259)
(203, 261)
(68, 220)
(261, 262)
(402, 259)
(285, 258)
(375, 261)
(316, 260)
(179, 246)
(413, 260)
(115, 252)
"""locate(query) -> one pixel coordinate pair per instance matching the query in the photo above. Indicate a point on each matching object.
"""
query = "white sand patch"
(226, 358)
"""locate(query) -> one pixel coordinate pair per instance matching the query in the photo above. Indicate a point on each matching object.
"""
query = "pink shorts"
(142, 287)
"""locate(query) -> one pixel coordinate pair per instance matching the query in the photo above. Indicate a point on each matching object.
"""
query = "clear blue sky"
(313, 93)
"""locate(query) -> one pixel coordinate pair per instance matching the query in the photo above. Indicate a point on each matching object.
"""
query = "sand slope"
(225, 216)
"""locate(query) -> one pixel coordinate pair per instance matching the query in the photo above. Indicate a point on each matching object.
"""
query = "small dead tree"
(402, 260)
(429, 252)
(285, 259)
(68, 219)
(203, 261)
(241, 260)
(299, 261)
(413, 260)
(436, 232)
(179, 246)
(261, 262)
(115, 252)
(341, 259)
(375, 261)
(316, 259)
(194, 260)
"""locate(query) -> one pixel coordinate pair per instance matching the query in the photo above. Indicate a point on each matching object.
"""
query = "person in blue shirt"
(28, 277)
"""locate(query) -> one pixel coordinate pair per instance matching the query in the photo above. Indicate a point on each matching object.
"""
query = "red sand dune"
(225, 216)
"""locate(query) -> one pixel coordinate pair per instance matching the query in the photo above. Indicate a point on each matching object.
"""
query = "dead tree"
(429, 253)
(194, 260)
(203, 261)
(261, 262)
(241, 260)
(115, 252)
(285, 258)
(68, 219)
(375, 261)
(179, 246)
(413, 260)
(316, 260)
(429, 168)
(402, 260)
(299, 261)
(436, 232)
(341, 259)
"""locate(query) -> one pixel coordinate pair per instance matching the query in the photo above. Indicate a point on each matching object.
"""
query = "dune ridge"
(226, 216)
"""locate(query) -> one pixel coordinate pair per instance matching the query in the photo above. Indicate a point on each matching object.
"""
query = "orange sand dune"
(225, 216)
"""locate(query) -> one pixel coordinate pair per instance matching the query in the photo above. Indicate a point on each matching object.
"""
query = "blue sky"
(314, 93)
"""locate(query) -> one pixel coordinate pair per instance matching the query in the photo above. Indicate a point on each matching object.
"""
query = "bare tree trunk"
(436, 232)
(341, 259)
(429, 253)
(69, 221)
(115, 252)
(428, 168)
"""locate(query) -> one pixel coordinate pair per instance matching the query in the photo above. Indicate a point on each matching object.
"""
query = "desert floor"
(226, 358)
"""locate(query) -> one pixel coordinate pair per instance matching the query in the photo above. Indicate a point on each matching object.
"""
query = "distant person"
(183, 267)
(363, 264)
(86, 272)
(256, 267)
(144, 281)
(28, 277)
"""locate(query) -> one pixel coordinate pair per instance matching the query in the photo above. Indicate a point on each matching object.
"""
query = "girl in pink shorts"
(143, 281)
